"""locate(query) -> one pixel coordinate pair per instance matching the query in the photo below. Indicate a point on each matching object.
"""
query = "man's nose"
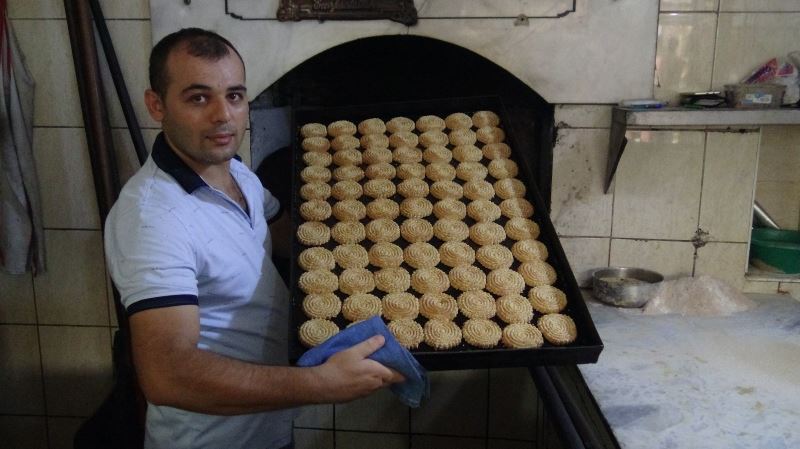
(221, 111)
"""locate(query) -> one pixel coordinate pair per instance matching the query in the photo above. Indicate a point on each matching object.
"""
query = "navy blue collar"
(166, 159)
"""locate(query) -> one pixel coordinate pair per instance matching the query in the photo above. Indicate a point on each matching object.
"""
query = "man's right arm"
(173, 371)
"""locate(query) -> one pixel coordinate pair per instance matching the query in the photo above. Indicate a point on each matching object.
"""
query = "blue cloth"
(416, 386)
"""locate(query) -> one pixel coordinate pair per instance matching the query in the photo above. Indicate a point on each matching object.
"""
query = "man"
(189, 249)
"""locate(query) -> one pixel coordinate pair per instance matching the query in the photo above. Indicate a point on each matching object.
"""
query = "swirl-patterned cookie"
(557, 329)
(498, 150)
(347, 157)
(494, 257)
(529, 250)
(313, 130)
(315, 191)
(315, 210)
(442, 334)
(471, 171)
(438, 305)
(429, 280)
(347, 190)
(400, 305)
(392, 280)
(467, 278)
(403, 139)
(318, 281)
(361, 306)
(382, 230)
(477, 304)
(316, 144)
(313, 233)
(316, 258)
(430, 123)
(516, 207)
(510, 188)
(383, 208)
(408, 332)
(348, 232)
(467, 153)
(478, 190)
(398, 124)
(486, 233)
(342, 143)
(463, 136)
(374, 142)
(482, 333)
(504, 281)
(483, 210)
(415, 230)
(440, 171)
(381, 170)
(443, 190)
(451, 209)
(341, 128)
(547, 299)
(448, 230)
(421, 255)
(351, 255)
(503, 168)
(315, 174)
(458, 120)
(348, 173)
(522, 336)
(412, 170)
(319, 159)
(379, 188)
(385, 255)
(437, 154)
(537, 272)
(372, 126)
(349, 210)
(406, 155)
(454, 254)
(413, 188)
(416, 208)
(376, 155)
(490, 134)
(321, 305)
(429, 138)
(485, 118)
(514, 308)
(356, 280)
(315, 331)
(519, 228)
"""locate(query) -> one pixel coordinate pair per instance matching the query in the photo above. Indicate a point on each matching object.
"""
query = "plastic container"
(778, 248)
(750, 96)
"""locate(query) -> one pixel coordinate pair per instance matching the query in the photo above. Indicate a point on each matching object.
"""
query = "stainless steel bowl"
(625, 287)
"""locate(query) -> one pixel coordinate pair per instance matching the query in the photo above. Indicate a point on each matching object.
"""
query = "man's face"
(204, 110)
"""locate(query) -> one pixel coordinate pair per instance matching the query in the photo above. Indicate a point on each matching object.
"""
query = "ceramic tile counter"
(670, 381)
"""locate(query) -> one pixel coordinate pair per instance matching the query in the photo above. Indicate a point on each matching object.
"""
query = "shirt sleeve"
(272, 207)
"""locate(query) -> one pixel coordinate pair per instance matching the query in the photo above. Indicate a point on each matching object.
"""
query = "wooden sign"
(402, 11)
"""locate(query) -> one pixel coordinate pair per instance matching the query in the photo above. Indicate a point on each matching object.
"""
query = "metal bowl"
(625, 287)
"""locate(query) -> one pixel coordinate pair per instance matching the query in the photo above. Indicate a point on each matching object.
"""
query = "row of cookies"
(454, 121)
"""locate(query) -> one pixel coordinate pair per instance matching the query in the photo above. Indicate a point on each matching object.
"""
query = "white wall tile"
(684, 54)
(759, 5)
(127, 161)
(443, 442)
(48, 57)
(23, 432)
(65, 178)
(585, 255)
(779, 154)
(316, 416)
(18, 303)
(378, 412)
(792, 288)
(689, 5)
(747, 40)
(513, 404)
(726, 207)
(457, 405)
(77, 368)
(725, 261)
(73, 290)
(760, 286)
(371, 440)
(21, 375)
(671, 259)
(128, 9)
(657, 185)
(313, 439)
(54, 9)
(579, 206)
(482, 8)
(582, 116)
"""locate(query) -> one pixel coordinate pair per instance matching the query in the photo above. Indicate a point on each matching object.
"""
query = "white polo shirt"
(171, 239)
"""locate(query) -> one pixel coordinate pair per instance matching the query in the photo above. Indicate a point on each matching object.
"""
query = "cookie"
(415, 230)
(351, 255)
(341, 128)
(416, 208)
(315, 210)
(485, 118)
(315, 331)
(510, 188)
(318, 281)
(346, 190)
(521, 336)
(504, 281)
(486, 233)
(483, 210)
(529, 250)
(454, 254)
(421, 255)
(392, 280)
(413, 188)
(315, 191)
(478, 190)
(467, 278)
(313, 130)
(361, 306)
(381, 170)
(458, 120)
(476, 304)
(464, 136)
(547, 299)
(321, 305)
(345, 142)
(452, 209)
(379, 188)
(443, 190)
(382, 230)
(437, 154)
(376, 155)
(557, 329)
(471, 171)
(312, 158)
(519, 228)
(406, 155)
(516, 207)
(316, 144)
(356, 280)
(442, 334)
(349, 210)
(348, 232)
(403, 139)
(481, 333)
(503, 168)
(514, 308)
(398, 124)
(429, 138)
(316, 258)
(440, 171)
(348, 173)
(375, 142)
(430, 123)
(385, 255)
(408, 332)
(448, 230)
(438, 305)
(412, 170)
(372, 126)
(490, 134)
(467, 153)
(347, 157)
(315, 174)
(496, 151)
(313, 233)
(429, 280)
(401, 305)
(494, 256)
(537, 273)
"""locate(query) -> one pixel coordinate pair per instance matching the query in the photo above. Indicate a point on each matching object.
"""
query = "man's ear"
(155, 106)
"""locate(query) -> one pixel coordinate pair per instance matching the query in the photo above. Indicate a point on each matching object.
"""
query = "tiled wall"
(55, 329)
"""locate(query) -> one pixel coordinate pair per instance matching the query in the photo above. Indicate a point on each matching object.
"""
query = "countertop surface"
(672, 381)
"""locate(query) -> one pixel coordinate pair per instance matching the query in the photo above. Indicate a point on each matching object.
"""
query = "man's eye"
(197, 99)
(235, 96)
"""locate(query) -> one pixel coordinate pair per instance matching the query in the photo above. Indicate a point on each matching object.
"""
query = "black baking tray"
(586, 348)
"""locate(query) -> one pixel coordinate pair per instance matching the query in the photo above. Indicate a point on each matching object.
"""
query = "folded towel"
(391, 354)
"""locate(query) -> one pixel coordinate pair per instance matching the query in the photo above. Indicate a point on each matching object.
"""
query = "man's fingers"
(396, 377)
(368, 346)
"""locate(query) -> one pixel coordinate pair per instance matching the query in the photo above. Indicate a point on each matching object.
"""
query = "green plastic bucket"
(777, 248)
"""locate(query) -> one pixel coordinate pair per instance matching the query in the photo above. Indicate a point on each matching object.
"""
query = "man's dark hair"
(198, 42)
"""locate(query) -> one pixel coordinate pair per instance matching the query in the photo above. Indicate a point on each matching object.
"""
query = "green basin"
(779, 249)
